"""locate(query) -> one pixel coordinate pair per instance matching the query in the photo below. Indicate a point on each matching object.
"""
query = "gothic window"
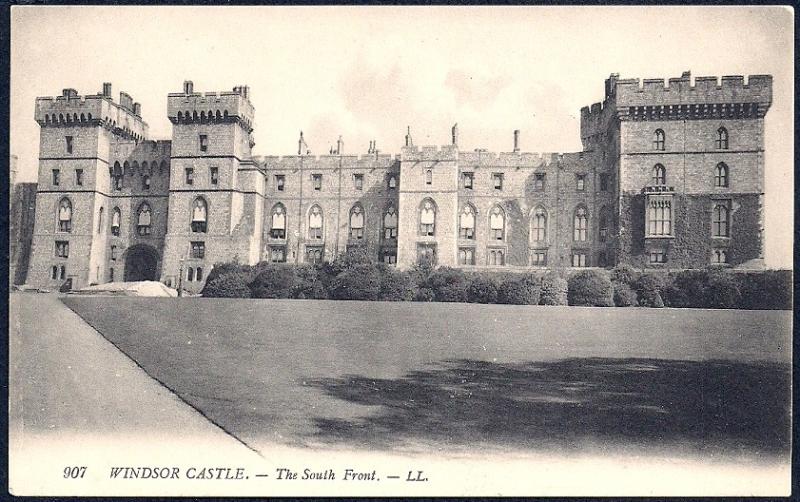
(658, 140)
(358, 181)
(189, 175)
(580, 182)
(659, 175)
(496, 257)
(56, 177)
(580, 224)
(115, 217)
(315, 223)
(659, 216)
(69, 143)
(466, 256)
(497, 224)
(117, 176)
(497, 181)
(427, 218)
(190, 274)
(604, 223)
(538, 181)
(719, 256)
(579, 259)
(278, 226)
(214, 173)
(280, 182)
(467, 222)
(203, 143)
(539, 225)
(426, 253)
(62, 249)
(392, 182)
(199, 274)
(721, 220)
(390, 223)
(721, 175)
(357, 222)
(317, 181)
(143, 219)
(198, 250)
(277, 254)
(722, 139)
(79, 177)
(65, 215)
(314, 255)
(467, 179)
(199, 215)
(428, 177)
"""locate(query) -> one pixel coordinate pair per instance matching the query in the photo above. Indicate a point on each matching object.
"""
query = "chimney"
(687, 75)
(455, 134)
(188, 87)
(339, 145)
(300, 144)
(137, 109)
(409, 142)
(69, 93)
(516, 141)
(106, 89)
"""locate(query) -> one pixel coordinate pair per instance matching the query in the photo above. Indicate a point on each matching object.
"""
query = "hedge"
(591, 288)
(448, 285)
(274, 281)
(519, 291)
(624, 296)
(229, 285)
(482, 289)
(553, 290)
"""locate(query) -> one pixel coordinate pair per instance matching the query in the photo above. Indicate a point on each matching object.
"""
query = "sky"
(366, 73)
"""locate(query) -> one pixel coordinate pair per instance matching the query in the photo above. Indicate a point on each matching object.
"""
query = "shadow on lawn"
(700, 405)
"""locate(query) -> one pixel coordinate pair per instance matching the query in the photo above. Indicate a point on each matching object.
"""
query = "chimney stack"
(339, 145)
(69, 93)
(409, 141)
(516, 141)
(455, 134)
(188, 87)
(106, 89)
(137, 109)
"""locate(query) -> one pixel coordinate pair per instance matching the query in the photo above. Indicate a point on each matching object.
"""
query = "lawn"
(400, 376)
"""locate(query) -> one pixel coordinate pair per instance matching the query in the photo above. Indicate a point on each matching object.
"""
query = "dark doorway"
(141, 263)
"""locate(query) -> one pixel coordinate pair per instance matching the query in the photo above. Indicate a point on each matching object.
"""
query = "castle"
(671, 175)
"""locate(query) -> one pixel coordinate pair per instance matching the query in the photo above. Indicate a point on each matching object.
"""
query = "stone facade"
(671, 175)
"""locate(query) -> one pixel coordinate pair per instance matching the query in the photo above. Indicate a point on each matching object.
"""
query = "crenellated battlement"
(71, 109)
(324, 162)
(415, 153)
(195, 107)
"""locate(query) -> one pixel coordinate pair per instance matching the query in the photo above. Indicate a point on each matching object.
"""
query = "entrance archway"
(141, 263)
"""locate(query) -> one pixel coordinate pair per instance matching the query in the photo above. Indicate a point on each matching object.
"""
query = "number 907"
(74, 472)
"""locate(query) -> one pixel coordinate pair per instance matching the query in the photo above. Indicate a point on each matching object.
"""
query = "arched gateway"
(141, 263)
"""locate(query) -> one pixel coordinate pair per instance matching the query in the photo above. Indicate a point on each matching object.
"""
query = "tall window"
(277, 254)
(117, 176)
(390, 223)
(659, 175)
(278, 228)
(539, 225)
(538, 181)
(280, 182)
(604, 221)
(116, 215)
(580, 224)
(315, 223)
(69, 144)
(79, 177)
(578, 259)
(65, 215)
(199, 215)
(316, 180)
(659, 216)
(358, 181)
(214, 173)
(658, 140)
(62, 249)
(428, 177)
(466, 256)
(497, 223)
(56, 177)
(190, 176)
(314, 255)
(496, 257)
(722, 139)
(392, 182)
(145, 182)
(357, 222)
(580, 182)
(467, 180)
(466, 224)
(721, 220)
(497, 181)
(604, 182)
(427, 218)
(143, 219)
(203, 143)
(721, 175)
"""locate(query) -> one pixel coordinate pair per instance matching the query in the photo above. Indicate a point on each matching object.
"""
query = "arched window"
(721, 222)
(658, 140)
(357, 222)
(659, 175)
(497, 223)
(199, 274)
(316, 221)
(496, 257)
(180, 116)
(65, 215)
(100, 220)
(466, 222)
(61, 118)
(392, 182)
(722, 139)
(427, 218)
(605, 219)
(219, 115)
(203, 115)
(390, 223)
(199, 215)
(278, 222)
(116, 215)
(190, 274)
(539, 225)
(117, 176)
(147, 171)
(428, 177)
(721, 175)
(580, 224)
(143, 219)
(83, 117)
(225, 114)
(89, 117)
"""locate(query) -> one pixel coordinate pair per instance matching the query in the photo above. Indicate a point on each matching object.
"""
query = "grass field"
(398, 376)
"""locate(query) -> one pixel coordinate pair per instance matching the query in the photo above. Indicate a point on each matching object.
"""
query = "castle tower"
(73, 202)
(689, 161)
(215, 187)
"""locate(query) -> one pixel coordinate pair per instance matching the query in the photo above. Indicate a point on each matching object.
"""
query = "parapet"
(414, 153)
(71, 109)
(325, 162)
(190, 106)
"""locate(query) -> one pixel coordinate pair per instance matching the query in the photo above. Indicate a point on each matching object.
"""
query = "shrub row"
(354, 276)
